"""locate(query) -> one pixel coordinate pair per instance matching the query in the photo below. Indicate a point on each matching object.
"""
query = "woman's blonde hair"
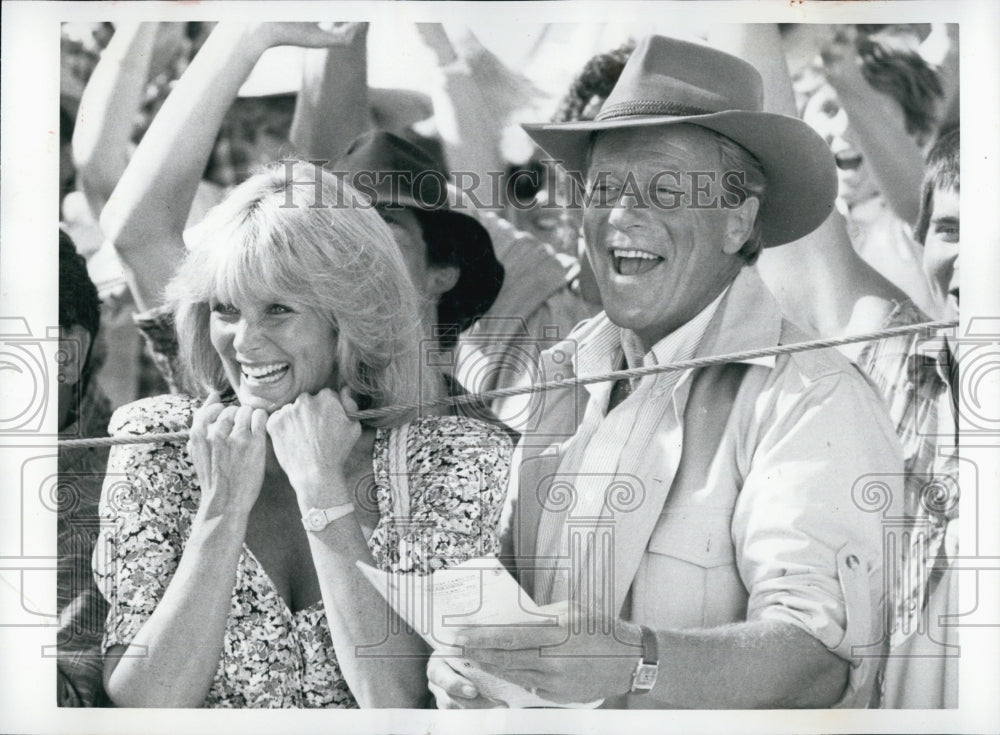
(297, 232)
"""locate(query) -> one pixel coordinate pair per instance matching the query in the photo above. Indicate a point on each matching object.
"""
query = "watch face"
(645, 677)
(314, 520)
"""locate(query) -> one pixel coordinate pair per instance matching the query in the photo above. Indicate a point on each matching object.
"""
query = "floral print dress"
(440, 484)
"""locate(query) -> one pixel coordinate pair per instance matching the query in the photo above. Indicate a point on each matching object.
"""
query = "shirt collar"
(931, 359)
(747, 319)
(744, 317)
(678, 345)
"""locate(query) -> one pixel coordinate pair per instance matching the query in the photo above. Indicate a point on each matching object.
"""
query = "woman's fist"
(228, 445)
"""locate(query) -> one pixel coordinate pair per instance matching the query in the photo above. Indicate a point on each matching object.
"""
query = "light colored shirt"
(596, 448)
(745, 492)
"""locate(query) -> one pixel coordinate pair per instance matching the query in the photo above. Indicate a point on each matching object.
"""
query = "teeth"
(633, 262)
(265, 372)
(847, 162)
(618, 253)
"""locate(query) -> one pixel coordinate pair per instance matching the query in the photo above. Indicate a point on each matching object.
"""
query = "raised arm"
(313, 441)
(474, 104)
(108, 108)
(878, 124)
(170, 596)
(332, 106)
(146, 215)
(820, 280)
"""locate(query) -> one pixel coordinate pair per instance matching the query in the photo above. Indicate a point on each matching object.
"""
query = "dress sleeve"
(147, 503)
(457, 474)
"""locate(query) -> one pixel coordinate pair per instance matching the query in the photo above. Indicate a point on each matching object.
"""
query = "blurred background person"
(83, 412)
(918, 378)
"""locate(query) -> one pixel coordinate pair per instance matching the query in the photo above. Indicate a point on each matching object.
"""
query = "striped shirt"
(917, 377)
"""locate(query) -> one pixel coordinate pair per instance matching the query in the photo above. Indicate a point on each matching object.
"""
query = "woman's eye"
(279, 309)
(225, 309)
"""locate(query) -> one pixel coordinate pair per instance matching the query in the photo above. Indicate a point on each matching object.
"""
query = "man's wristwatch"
(646, 669)
(316, 519)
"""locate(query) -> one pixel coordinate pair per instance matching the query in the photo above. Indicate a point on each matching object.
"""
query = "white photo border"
(28, 290)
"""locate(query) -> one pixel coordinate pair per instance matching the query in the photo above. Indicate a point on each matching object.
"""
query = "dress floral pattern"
(456, 472)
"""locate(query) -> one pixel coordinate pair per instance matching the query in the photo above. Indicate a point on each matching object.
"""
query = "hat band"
(648, 107)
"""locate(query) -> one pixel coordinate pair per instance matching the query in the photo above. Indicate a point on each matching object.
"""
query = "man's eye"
(388, 216)
(605, 189)
(948, 233)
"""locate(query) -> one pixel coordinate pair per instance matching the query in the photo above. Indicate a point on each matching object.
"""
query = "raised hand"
(312, 439)
(310, 35)
(228, 446)
(841, 63)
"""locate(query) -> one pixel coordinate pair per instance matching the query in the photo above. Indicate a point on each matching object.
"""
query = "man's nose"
(624, 212)
(837, 143)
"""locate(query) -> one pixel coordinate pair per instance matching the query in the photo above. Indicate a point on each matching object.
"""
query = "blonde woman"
(229, 563)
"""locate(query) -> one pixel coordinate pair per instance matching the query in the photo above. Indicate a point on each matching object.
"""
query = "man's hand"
(562, 663)
(451, 690)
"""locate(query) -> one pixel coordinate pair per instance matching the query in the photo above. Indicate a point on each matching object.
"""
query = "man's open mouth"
(633, 262)
(269, 373)
(848, 161)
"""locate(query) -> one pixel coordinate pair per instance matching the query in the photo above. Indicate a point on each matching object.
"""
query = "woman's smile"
(264, 374)
(273, 352)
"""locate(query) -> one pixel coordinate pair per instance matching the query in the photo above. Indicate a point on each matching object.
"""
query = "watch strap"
(648, 666)
(316, 519)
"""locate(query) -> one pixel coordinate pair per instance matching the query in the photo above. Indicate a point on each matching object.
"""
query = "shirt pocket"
(691, 578)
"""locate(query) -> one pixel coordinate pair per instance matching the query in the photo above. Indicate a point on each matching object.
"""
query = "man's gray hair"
(737, 158)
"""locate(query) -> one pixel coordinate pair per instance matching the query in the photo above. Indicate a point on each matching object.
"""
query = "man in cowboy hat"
(715, 531)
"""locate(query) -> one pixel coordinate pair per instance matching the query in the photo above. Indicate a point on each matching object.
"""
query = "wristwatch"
(648, 666)
(316, 519)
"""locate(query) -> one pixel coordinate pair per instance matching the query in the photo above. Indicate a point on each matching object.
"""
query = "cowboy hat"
(395, 172)
(667, 82)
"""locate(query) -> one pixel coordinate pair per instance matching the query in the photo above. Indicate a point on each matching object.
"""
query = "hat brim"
(798, 165)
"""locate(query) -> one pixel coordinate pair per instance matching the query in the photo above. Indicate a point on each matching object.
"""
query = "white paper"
(476, 592)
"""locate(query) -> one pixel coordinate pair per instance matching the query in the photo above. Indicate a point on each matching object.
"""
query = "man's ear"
(442, 279)
(740, 224)
(74, 344)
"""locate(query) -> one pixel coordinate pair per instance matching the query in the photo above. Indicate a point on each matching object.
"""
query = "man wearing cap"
(714, 530)
(448, 253)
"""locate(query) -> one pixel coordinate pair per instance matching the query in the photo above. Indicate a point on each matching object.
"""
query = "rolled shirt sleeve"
(807, 525)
